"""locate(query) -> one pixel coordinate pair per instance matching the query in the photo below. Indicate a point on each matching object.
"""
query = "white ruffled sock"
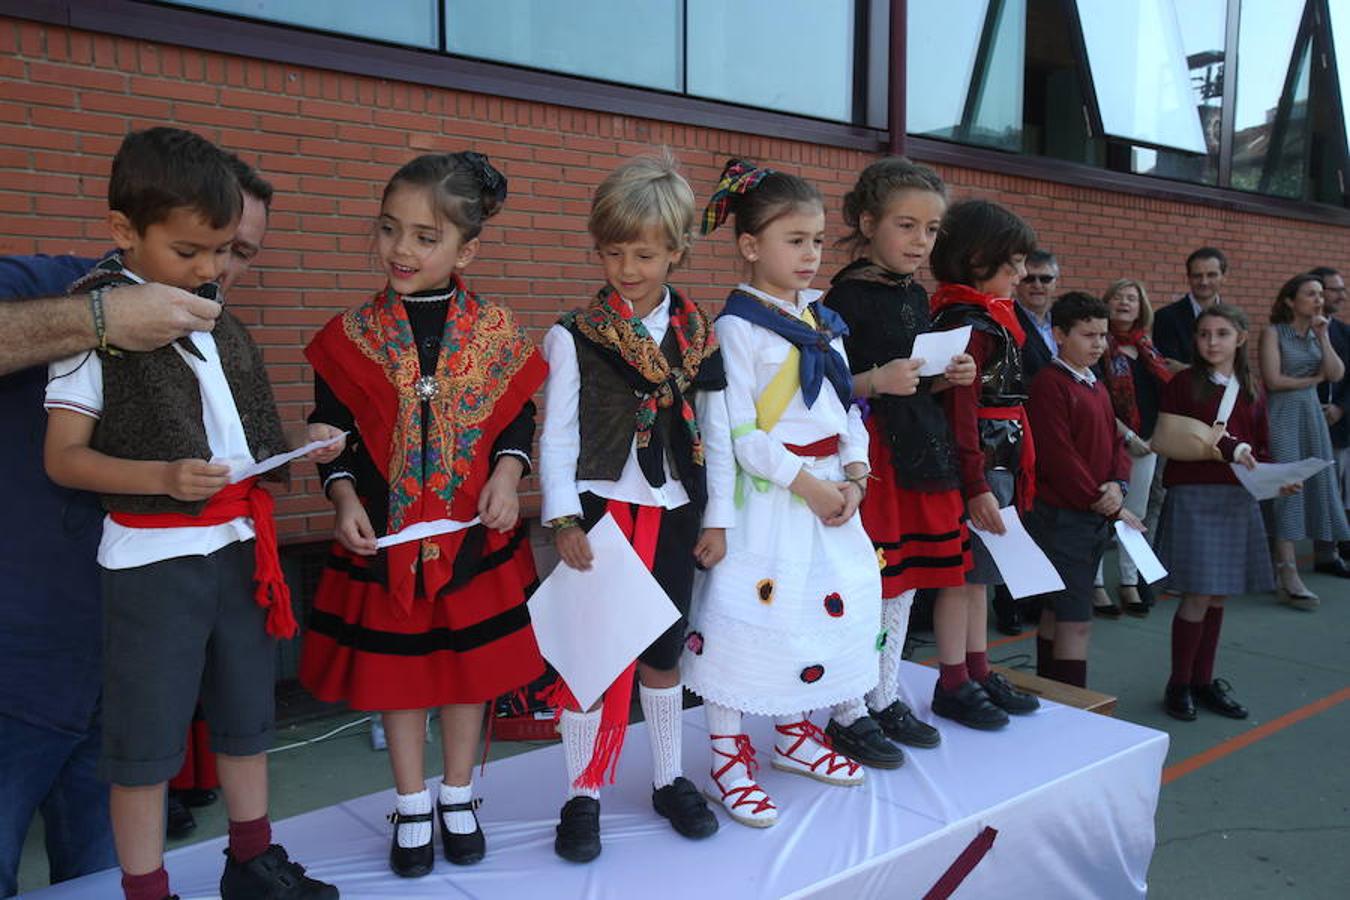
(662, 709)
(578, 739)
(462, 821)
(895, 622)
(413, 834)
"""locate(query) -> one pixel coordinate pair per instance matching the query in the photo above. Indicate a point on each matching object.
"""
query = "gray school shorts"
(174, 631)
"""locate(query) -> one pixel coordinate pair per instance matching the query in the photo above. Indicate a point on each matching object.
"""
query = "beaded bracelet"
(100, 321)
(562, 522)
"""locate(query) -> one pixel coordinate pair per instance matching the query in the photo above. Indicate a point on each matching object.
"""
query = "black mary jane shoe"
(1179, 702)
(1337, 567)
(1008, 698)
(410, 862)
(864, 742)
(686, 808)
(900, 725)
(578, 835)
(1216, 697)
(970, 705)
(462, 849)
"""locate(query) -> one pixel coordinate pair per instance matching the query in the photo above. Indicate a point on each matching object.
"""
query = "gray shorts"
(173, 631)
(1074, 540)
(1001, 483)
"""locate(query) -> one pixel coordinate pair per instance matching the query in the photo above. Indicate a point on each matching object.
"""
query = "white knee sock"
(461, 821)
(849, 711)
(413, 834)
(895, 622)
(662, 709)
(578, 738)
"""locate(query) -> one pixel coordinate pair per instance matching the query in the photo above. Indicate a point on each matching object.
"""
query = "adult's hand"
(148, 316)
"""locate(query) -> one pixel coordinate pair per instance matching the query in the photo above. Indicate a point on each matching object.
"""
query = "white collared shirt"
(1082, 376)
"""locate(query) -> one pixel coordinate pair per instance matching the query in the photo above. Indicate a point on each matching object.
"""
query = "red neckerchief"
(1000, 309)
(1120, 377)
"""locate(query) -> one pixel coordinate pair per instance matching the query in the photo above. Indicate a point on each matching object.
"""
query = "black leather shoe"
(969, 705)
(1179, 702)
(179, 822)
(864, 742)
(578, 837)
(271, 876)
(684, 806)
(1337, 567)
(410, 862)
(462, 849)
(1008, 698)
(1215, 697)
(1007, 618)
(196, 797)
(900, 725)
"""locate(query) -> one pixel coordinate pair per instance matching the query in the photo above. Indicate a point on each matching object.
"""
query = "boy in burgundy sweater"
(1082, 471)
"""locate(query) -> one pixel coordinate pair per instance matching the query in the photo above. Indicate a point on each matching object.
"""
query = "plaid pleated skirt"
(1212, 541)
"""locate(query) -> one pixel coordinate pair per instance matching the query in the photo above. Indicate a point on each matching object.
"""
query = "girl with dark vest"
(977, 259)
(788, 622)
(433, 386)
(636, 428)
(913, 511)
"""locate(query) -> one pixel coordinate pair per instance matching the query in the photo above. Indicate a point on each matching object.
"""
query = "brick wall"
(329, 142)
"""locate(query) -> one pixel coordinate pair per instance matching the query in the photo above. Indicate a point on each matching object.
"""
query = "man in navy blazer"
(1035, 295)
(1174, 324)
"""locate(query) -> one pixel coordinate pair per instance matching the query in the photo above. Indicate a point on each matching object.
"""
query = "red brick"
(258, 101)
(45, 94)
(173, 90)
(130, 106)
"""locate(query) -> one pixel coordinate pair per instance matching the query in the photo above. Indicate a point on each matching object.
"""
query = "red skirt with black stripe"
(921, 538)
(471, 644)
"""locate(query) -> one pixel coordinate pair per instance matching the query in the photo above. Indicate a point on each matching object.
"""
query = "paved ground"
(1251, 809)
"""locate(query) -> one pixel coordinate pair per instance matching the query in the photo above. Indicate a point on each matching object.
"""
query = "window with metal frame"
(410, 22)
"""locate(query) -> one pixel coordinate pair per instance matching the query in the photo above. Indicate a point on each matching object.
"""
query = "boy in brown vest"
(193, 593)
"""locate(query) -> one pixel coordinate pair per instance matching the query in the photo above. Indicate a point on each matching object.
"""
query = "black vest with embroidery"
(152, 406)
(1001, 383)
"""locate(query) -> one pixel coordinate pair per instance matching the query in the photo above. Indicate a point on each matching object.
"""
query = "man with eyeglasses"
(1335, 398)
(1035, 295)
(1174, 324)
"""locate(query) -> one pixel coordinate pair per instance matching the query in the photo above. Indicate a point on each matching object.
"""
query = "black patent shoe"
(462, 849)
(196, 797)
(179, 821)
(969, 705)
(1215, 697)
(900, 725)
(864, 742)
(1179, 702)
(578, 838)
(1008, 698)
(410, 862)
(685, 807)
(271, 875)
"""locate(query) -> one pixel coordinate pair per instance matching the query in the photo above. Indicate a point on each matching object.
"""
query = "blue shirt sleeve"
(31, 277)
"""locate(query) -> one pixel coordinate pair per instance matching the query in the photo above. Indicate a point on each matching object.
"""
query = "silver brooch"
(426, 388)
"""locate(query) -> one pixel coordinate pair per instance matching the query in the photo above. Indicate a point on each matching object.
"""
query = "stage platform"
(1072, 798)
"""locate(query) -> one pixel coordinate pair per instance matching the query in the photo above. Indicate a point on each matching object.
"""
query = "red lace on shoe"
(806, 730)
(744, 755)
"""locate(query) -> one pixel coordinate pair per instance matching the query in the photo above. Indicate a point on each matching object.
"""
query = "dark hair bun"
(492, 182)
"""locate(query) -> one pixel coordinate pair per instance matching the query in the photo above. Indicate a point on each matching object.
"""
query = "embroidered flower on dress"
(812, 674)
(695, 643)
(765, 590)
(834, 604)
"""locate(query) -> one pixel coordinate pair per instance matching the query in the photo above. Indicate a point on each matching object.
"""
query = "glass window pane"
(410, 22)
(952, 90)
(635, 42)
(790, 55)
(1139, 70)
(1340, 39)
(1270, 137)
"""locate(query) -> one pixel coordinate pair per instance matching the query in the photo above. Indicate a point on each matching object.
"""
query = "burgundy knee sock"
(1186, 637)
(977, 663)
(1203, 671)
(1045, 657)
(150, 886)
(249, 839)
(952, 677)
(1071, 671)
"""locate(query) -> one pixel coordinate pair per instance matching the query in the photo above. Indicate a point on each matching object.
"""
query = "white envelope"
(1264, 482)
(936, 348)
(1145, 560)
(591, 625)
(1025, 569)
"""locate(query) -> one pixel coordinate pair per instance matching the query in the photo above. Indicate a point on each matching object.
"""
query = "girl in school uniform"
(433, 385)
(913, 510)
(787, 622)
(1210, 536)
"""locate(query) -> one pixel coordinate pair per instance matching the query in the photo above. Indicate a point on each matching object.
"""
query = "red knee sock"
(952, 677)
(977, 663)
(1045, 657)
(249, 839)
(150, 886)
(1071, 671)
(1203, 671)
(1186, 637)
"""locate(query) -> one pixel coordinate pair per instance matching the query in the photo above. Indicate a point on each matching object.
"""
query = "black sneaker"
(1215, 697)
(684, 806)
(1179, 702)
(179, 822)
(462, 849)
(900, 725)
(578, 837)
(969, 705)
(864, 742)
(1008, 698)
(271, 876)
(410, 862)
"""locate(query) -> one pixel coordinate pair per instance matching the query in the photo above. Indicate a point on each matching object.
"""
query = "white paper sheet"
(1025, 569)
(272, 462)
(424, 530)
(591, 625)
(1145, 560)
(1264, 482)
(936, 348)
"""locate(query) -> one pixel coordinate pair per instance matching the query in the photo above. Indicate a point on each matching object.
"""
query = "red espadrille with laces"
(732, 784)
(803, 749)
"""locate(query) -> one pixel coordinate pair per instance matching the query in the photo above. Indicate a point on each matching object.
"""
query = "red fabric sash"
(1000, 309)
(963, 865)
(827, 446)
(246, 498)
(1119, 376)
(642, 532)
(1026, 469)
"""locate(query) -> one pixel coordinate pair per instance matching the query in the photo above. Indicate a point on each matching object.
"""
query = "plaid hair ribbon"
(739, 177)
